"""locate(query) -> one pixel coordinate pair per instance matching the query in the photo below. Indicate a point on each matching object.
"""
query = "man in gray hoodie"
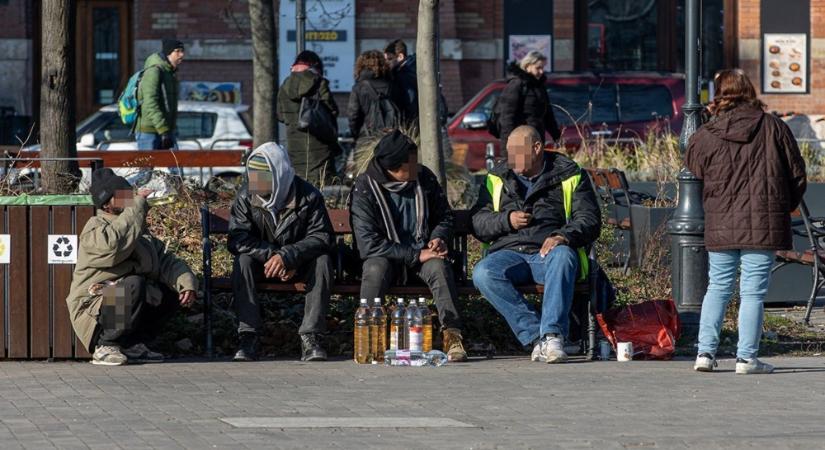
(279, 231)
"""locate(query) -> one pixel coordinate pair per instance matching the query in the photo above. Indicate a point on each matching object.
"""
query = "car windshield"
(595, 104)
(94, 122)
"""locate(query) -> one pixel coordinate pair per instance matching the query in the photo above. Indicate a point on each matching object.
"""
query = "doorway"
(104, 52)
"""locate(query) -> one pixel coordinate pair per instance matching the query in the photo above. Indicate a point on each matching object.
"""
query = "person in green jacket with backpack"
(157, 95)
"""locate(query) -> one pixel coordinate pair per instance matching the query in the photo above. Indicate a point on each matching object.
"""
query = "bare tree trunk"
(57, 96)
(432, 155)
(264, 76)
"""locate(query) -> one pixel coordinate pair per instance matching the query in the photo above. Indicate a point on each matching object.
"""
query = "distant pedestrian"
(373, 103)
(754, 177)
(402, 65)
(158, 98)
(525, 100)
(312, 158)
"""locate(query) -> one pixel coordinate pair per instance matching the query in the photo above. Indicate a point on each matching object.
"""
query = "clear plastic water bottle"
(378, 331)
(409, 312)
(427, 323)
(361, 334)
(397, 341)
(432, 358)
(415, 338)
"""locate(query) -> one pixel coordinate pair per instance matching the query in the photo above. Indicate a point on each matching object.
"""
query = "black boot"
(248, 349)
(311, 349)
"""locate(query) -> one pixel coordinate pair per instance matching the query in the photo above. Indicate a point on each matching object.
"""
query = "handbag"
(316, 119)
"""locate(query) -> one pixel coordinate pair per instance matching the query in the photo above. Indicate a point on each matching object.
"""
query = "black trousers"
(380, 273)
(317, 274)
(142, 322)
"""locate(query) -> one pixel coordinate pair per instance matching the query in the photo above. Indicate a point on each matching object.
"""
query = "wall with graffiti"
(208, 91)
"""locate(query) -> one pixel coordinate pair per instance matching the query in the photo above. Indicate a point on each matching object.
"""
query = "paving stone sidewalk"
(508, 403)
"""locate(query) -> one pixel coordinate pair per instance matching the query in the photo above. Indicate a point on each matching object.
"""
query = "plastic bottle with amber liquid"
(378, 331)
(397, 340)
(427, 325)
(361, 334)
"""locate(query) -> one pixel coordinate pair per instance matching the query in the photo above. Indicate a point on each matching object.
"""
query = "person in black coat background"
(373, 75)
(525, 100)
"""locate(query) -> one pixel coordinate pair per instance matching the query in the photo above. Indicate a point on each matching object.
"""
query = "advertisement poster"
(521, 45)
(330, 32)
(785, 63)
(209, 91)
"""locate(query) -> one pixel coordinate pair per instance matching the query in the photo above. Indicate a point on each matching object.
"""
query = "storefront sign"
(785, 63)
(330, 32)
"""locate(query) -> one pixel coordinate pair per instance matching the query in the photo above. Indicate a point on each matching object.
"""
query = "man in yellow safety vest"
(538, 213)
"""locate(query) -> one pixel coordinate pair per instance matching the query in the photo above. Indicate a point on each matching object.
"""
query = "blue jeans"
(753, 285)
(150, 141)
(497, 275)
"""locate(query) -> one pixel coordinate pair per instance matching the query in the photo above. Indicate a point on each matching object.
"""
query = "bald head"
(525, 150)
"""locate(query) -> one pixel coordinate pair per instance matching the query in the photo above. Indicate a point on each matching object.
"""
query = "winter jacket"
(311, 158)
(754, 177)
(365, 93)
(370, 228)
(525, 101)
(115, 246)
(405, 79)
(302, 234)
(545, 203)
(158, 96)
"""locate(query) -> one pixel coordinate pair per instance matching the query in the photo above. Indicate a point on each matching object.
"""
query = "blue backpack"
(127, 104)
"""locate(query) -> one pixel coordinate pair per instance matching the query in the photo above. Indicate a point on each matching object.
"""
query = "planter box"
(648, 223)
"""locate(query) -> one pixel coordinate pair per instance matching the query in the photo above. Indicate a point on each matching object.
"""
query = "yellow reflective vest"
(495, 185)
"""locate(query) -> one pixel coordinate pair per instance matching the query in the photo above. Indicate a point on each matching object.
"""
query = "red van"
(618, 107)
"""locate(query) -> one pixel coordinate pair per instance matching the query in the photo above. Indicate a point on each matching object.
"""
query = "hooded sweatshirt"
(754, 176)
(282, 176)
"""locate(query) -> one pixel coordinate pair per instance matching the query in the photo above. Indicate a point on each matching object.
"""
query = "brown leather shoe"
(453, 346)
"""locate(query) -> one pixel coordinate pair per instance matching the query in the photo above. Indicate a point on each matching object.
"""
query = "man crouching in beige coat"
(125, 283)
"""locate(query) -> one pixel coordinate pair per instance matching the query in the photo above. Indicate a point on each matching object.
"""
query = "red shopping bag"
(652, 327)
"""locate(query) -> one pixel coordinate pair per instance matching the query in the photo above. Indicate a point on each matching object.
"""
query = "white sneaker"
(752, 367)
(705, 362)
(536, 355)
(108, 355)
(552, 349)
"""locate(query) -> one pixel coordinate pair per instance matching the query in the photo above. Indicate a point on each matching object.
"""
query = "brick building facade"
(217, 37)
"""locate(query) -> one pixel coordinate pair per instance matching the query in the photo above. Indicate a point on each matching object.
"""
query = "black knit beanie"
(104, 185)
(394, 150)
(170, 45)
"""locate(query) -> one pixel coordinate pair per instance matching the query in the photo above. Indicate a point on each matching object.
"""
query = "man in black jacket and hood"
(279, 230)
(538, 213)
(401, 222)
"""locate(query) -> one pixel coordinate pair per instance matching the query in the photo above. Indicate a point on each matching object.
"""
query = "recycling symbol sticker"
(62, 249)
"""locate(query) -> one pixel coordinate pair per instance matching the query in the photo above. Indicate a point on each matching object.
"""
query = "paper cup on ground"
(624, 351)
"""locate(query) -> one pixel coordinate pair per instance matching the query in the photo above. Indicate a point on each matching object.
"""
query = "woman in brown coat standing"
(754, 177)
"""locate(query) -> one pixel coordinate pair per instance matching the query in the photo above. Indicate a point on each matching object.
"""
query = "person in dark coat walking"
(525, 100)
(538, 213)
(373, 83)
(401, 223)
(754, 177)
(404, 77)
(313, 159)
(279, 230)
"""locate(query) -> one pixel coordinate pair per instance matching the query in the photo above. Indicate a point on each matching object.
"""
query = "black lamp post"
(687, 227)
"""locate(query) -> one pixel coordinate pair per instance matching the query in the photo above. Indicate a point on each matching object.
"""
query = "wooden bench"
(216, 222)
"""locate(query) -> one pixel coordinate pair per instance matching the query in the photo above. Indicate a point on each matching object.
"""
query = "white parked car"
(200, 126)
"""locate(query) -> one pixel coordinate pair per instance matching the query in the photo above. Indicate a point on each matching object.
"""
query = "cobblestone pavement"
(509, 403)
